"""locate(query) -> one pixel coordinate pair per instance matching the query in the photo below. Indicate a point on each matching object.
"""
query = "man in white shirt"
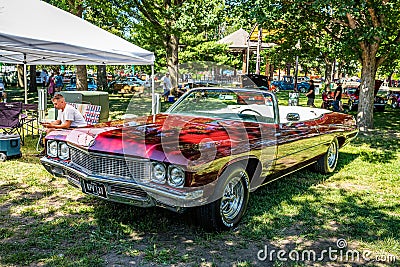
(167, 85)
(68, 116)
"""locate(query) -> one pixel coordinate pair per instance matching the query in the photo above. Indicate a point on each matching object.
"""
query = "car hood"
(173, 138)
(378, 84)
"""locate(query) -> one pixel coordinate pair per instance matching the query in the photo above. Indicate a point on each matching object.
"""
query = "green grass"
(45, 221)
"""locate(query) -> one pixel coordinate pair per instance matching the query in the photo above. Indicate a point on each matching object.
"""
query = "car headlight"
(158, 173)
(51, 148)
(63, 150)
(176, 176)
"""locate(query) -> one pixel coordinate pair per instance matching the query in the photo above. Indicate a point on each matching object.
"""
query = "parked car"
(92, 86)
(130, 81)
(67, 75)
(288, 84)
(139, 81)
(208, 152)
(10, 78)
(200, 83)
(350, 90)
(124, 82)
(394, 99)
(128, 85)
(254, 80)
(379, 101)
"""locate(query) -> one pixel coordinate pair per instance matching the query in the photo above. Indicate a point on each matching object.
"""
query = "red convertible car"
(208, 151)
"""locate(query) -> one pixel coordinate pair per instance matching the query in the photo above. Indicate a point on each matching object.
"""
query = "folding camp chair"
(91, 113)
(10, 119)
(30, 117)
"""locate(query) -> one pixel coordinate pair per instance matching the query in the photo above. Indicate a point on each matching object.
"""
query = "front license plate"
(94, 188)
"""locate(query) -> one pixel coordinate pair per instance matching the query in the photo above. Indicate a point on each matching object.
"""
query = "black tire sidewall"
(209, 216)
(245, 181)
(322, 164)
(3, 157)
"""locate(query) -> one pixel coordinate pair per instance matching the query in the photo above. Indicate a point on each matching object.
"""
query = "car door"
(298, 143)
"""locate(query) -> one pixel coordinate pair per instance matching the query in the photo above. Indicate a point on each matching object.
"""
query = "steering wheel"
(249, 111)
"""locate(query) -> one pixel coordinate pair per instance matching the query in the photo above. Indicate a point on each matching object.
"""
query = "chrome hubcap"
(232, 199)
(332, 155)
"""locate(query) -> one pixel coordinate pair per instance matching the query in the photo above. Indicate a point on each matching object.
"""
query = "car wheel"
(350, 105)
(393, 103)
(227, 211)
(3, 157)
(327, 163)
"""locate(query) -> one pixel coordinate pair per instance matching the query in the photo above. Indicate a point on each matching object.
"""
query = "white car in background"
(2, 90)
(2, 87)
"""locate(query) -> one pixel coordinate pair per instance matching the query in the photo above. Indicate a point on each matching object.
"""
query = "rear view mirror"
(293, 117)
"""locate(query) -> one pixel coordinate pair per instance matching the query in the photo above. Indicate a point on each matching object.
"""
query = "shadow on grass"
(285, 214)
(388, 120)
(384, 146)
(85, 231)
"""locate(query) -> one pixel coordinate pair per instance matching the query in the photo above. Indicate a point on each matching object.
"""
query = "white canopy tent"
(33, 32)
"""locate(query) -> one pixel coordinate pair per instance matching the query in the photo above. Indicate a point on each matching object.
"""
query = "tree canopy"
(365, 30)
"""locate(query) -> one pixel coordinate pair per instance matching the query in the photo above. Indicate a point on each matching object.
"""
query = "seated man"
(68, 116)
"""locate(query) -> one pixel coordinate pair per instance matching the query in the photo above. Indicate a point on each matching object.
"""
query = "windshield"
(351, 90)
(247, 105)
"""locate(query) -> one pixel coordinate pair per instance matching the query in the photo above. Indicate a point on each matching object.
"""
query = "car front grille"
(127, 168)
(128, 191)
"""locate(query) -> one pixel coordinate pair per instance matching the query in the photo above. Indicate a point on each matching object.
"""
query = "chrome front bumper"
(129, 192)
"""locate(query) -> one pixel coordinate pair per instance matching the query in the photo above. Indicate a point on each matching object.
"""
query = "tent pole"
(25, 81)
(153, 100)
(248, 55)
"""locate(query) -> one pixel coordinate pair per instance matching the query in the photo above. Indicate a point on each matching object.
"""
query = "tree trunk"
(32, 78)
(81, 78)
(101, 77)
(288, 66)
(20, 71)
(328, 71)
(172, 58)
(76, 8)
(365, 113)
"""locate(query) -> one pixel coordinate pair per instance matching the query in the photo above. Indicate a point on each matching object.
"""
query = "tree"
(365, 30)
(167, 21)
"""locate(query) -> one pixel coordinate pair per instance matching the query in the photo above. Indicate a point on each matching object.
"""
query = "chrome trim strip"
(159, 191)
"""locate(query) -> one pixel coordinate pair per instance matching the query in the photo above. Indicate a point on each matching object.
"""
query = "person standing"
(58, 82)
(167, 85)
(337, 97)
(311, 94)
(51, 87)
(43, 77)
